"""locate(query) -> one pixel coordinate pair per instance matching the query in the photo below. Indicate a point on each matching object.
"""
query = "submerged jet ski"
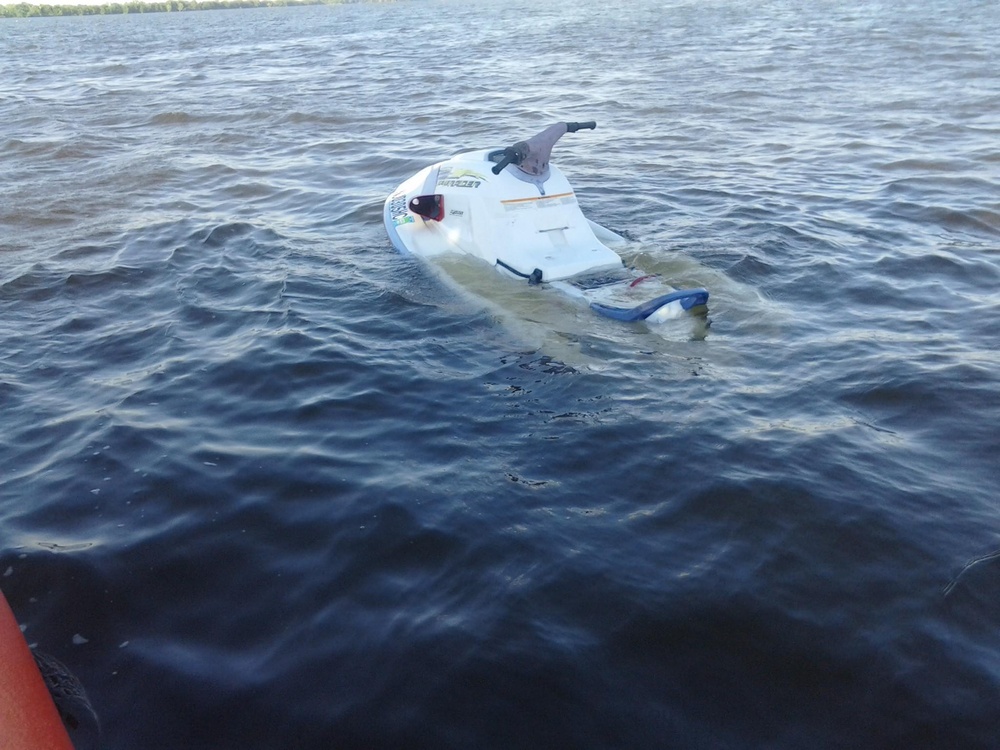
(513, 209)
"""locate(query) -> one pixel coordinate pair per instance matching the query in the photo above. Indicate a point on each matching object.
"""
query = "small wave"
(991, 557)
(979, 221)
(224, 233)
(946, 166)
(939, 265)
(172, 118)
(974, 221)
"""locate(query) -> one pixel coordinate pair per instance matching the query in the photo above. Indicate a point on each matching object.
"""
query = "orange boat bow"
(28, 716)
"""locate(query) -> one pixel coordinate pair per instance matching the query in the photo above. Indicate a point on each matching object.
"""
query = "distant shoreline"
(31, 10)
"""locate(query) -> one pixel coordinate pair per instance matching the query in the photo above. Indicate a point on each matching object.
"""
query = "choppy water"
(266, 483)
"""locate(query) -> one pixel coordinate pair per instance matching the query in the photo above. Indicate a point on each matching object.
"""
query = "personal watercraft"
(513, 209)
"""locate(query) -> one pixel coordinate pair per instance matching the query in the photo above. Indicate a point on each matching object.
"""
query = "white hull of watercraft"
(515, 211)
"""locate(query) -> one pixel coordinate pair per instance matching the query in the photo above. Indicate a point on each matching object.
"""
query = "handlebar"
(519, 151)
(510, 154)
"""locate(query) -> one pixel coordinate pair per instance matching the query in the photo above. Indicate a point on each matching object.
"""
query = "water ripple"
(261, 469)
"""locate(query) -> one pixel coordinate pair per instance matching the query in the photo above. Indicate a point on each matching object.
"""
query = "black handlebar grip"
(572, 127)
(509, 154)
(499, 167)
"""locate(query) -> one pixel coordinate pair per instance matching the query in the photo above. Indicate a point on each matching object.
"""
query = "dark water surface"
(266, 483)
